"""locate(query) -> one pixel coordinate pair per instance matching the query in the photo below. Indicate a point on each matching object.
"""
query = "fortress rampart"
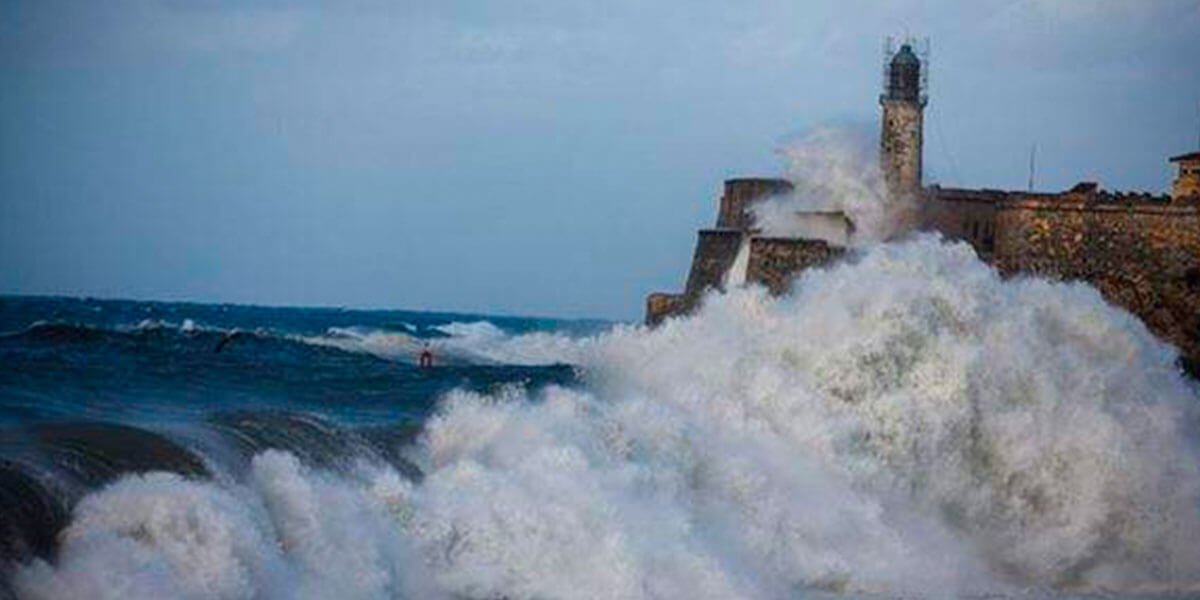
(740, 194)
(775, 262)
(963, 214)
(1142, 252)
(717, 249)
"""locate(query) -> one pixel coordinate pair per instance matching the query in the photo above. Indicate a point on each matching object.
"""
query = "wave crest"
(457, 343)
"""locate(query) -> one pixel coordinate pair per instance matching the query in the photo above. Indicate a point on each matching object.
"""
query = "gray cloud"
(531, 156)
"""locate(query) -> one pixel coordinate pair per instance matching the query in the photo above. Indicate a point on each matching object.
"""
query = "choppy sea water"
(906, 424)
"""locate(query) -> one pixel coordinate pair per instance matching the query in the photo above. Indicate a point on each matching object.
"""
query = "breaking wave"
(835, 169)
(477, 342)
(903, 423)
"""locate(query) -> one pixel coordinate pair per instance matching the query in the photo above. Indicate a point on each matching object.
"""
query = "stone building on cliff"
(1141, 251)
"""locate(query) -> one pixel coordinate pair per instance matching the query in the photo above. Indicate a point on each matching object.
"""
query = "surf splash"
(835, 168)
(457, 343)
(903, 423)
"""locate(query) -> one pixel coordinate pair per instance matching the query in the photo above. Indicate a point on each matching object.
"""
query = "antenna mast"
(1032, 164)
(889, 48)
(922, 46)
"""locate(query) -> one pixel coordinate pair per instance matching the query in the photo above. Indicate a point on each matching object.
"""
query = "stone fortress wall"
(1142, 252)
(775, 262)
(770, 261)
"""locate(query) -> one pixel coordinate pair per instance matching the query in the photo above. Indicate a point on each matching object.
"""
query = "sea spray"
(458, 343)
(285, 532)
(834, 168)
(906, 422)
(1048, 430)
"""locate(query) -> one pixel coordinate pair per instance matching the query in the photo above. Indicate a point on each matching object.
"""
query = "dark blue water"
(66, 358)
(93, 389)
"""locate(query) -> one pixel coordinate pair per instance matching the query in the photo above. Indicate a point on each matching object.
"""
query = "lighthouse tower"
(903, 101)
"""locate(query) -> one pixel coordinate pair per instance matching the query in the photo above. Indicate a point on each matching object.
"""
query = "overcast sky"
(543, 157)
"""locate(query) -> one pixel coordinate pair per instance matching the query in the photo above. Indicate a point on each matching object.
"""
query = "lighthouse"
(903, 100)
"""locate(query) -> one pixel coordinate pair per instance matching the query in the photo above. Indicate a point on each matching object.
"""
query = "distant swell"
(75, 333)
(456, 344)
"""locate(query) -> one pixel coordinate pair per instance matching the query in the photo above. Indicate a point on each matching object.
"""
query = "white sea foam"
(284, 533)
(384, 344)
(905, 423)
(187, 326)
(834, 169)
(483, 342)
(152, 325)
(476, 342)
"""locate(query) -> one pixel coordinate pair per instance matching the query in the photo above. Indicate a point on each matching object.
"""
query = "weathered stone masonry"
(717, 249)
(775, 262)
(1143, 255)
(740, 194)
(715, 252)
(901, 138)
(1141, 252)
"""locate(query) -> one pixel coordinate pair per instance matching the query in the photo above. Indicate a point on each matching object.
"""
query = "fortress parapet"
(1142, 252)
(660, 305)
(733, 253)
(716, 251)
(776, 262)
(1187, 181)
(741, 193)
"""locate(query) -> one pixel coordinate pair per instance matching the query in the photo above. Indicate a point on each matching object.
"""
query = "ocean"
(92, 390)
(905, 424)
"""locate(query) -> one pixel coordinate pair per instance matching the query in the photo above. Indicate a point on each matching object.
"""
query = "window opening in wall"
(1192, 278)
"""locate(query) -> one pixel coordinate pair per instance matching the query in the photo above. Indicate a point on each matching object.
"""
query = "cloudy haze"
(533, 157)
